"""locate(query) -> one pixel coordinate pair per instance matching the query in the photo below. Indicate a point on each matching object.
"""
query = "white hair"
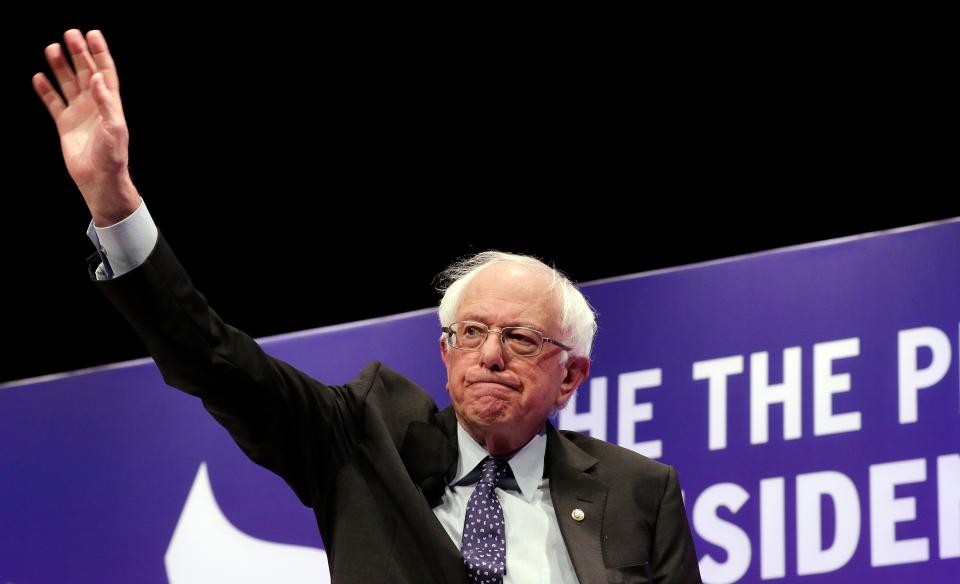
(578, 321)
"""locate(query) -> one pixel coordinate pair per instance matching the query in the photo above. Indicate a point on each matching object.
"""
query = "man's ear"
(575, 372)
(443, 352)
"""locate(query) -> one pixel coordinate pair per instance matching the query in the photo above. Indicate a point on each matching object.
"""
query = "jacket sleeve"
(674, 556)
(283, 419)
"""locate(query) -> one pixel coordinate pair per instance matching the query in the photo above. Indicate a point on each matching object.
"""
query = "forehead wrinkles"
(507, 291)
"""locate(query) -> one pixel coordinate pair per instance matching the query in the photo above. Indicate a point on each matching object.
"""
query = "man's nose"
(491, 352)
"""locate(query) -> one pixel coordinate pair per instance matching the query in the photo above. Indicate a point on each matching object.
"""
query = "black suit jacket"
(370, 457)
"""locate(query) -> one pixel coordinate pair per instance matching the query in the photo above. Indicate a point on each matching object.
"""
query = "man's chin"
(490, 412)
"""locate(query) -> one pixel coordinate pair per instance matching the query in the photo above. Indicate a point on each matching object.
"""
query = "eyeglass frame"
(545, 339)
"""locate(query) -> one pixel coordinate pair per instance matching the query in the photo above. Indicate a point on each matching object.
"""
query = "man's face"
(493, 391)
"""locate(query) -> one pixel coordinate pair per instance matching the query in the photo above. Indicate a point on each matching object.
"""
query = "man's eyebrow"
(523, 323)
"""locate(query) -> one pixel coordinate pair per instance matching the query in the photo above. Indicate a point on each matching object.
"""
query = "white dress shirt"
(536, 553)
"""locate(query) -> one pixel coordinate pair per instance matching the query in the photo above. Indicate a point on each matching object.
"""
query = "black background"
(311, 170)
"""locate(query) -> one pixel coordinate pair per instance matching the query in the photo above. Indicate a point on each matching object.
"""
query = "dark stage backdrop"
(313, 170)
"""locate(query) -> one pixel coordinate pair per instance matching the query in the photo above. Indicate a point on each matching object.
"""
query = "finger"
(101, 56)
(82, 61)
(62, 71)
(48, 95)
(108, 104)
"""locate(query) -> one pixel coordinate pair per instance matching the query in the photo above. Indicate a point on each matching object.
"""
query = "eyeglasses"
(517, 340)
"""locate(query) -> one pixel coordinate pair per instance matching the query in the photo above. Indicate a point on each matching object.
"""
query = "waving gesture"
(90, 121)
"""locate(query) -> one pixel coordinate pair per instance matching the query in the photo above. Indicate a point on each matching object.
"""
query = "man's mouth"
(492, 385)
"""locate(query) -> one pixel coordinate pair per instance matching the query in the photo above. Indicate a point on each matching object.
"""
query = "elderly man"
(484, 491)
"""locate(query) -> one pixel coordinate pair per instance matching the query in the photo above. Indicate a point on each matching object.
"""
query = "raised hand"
(93, 131)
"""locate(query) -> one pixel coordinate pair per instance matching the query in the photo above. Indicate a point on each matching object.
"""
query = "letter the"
(812, 558)
(948, 504)
(826, 383)
(773, 543)
(630, 412)
(912, 379)
(886, 510)
(717, 371)
(722, 533)
(594, 420)
(763, 394)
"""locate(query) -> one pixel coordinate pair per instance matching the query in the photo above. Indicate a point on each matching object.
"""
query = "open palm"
(93, 131)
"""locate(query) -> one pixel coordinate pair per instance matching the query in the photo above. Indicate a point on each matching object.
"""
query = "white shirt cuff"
(124, 245)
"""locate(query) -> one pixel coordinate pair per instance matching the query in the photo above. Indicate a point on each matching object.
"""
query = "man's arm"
(674, 556)
(282, 418)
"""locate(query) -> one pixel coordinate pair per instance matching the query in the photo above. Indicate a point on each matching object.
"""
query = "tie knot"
(493, 470)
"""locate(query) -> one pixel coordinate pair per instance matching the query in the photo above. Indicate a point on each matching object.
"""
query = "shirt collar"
(526, 463)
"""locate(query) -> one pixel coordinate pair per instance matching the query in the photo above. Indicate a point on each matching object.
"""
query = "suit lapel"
(429, 453)
(578, 501)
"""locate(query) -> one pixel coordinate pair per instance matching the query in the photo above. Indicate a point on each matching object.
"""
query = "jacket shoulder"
(616, 461)
(392, 399)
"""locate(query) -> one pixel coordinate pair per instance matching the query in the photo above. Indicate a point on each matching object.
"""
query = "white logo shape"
(207, 549)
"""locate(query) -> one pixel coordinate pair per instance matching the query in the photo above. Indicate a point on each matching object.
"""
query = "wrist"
(114, 201)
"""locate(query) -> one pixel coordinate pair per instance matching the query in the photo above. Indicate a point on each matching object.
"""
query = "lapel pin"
(577, 515)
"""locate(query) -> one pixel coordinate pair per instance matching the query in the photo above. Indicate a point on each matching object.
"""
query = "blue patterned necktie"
(484, 545)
